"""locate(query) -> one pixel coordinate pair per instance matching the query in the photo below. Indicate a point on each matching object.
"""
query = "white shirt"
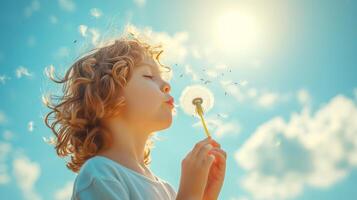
(105, 179)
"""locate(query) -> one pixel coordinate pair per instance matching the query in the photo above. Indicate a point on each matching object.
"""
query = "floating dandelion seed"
(195, 100)
(95, 12)
(50, 141)
(222, 115)
(30, 126)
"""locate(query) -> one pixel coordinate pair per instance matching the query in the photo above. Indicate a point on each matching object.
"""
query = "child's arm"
(103, 189)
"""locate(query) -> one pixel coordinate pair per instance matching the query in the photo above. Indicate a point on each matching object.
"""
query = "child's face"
(146, 98)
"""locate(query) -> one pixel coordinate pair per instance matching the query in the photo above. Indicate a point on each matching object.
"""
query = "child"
(114, 99)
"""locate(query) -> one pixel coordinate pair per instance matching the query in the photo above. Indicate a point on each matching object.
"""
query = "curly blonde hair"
(91, 92)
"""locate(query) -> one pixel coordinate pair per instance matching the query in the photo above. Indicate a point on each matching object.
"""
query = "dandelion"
(195, 100)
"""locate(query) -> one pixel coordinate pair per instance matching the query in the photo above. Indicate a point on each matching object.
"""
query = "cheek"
(143, 98)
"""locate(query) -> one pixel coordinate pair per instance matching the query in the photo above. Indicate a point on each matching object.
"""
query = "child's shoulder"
(99, 167)
(96, 168)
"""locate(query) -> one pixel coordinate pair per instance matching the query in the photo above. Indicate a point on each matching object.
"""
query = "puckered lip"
(170, 101)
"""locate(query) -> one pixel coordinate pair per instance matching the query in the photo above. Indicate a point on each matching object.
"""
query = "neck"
(128, 144)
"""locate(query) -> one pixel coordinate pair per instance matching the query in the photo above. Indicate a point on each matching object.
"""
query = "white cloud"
(174, 46)
(304, 97)
(259, 97)
(3, 118)
(8, 135)
(62, 52)
(96, 12)
(140, 3)
(53, 19)
(31, 41)
(216, 71)
(33, 7)
(5, 149)
(218, 127)
(268, 99)
(65, 192)
(22, 71)
(94, 33)
(189, 71)
(281, 158)
(83, 30)
(67, 5)
(195, 52)
(26, 173)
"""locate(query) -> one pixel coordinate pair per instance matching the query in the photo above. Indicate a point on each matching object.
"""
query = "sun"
(235, 31)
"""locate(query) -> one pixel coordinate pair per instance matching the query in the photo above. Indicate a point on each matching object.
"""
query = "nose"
(166, 87)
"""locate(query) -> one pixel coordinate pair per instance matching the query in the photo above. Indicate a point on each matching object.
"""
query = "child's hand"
(195, 168)
(216, 173)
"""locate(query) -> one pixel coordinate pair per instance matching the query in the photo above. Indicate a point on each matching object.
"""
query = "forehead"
(151, 64)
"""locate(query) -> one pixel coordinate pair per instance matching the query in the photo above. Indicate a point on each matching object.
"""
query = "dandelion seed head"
(192, 92)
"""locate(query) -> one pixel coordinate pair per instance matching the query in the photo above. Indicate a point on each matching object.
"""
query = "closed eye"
(151, 77)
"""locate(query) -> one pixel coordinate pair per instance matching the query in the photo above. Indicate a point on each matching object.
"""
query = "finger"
(219, 159)
(220, 152)
(215, 143)
(203, 152)
(200, 144)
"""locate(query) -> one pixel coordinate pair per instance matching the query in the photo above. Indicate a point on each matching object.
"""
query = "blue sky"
(289, 125)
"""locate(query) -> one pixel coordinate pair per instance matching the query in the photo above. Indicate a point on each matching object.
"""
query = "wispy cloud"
(304, 98)
(281, 158)
(22, 71)
(96, 12)
(26, 173)
(8, 135)
(5, 149)
(3, 118)
(174, 46)
(61, 52)
(33, 7)
(65, 192)
(189, 71)
(82, 30)
(53, 19)
(140, 3)
(67, 5)
(219, 126)
(3, 79)
(260, 97)
(92, 33)
(31, 41)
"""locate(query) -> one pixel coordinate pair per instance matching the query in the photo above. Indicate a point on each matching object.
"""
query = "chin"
(166, 123)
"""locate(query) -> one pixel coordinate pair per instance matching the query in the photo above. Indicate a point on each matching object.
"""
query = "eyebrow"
(153, 67)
